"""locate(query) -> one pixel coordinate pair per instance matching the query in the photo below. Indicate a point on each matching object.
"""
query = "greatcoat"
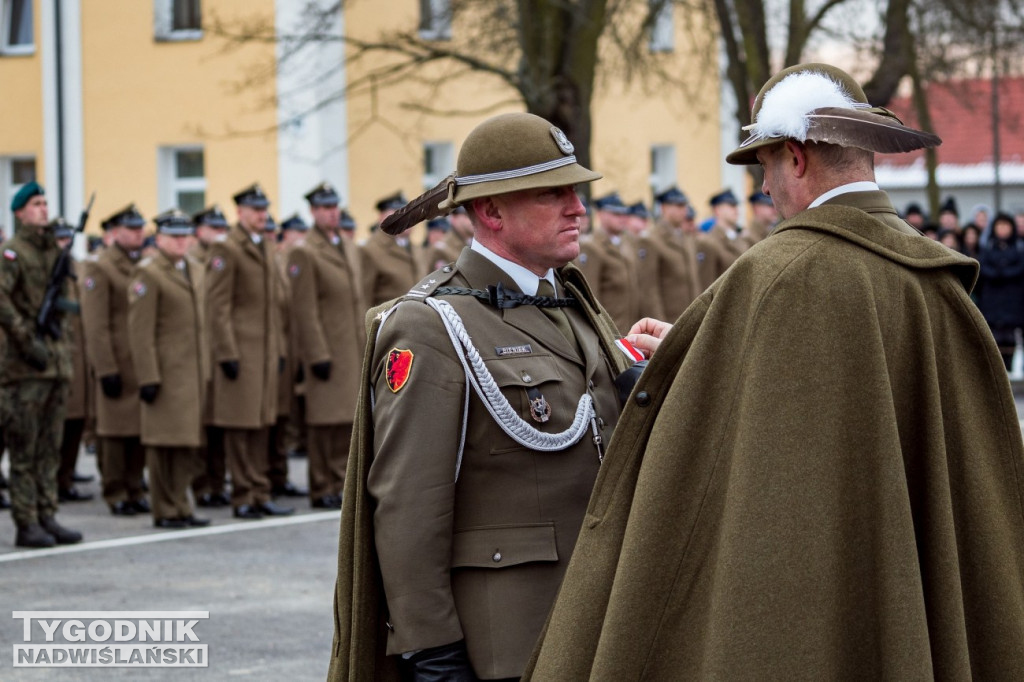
(388, 269)
(820, 475)
(166, 330)
(610, 264)
(676, 266)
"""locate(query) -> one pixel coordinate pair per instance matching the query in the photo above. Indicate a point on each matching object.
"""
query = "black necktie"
(556, 315)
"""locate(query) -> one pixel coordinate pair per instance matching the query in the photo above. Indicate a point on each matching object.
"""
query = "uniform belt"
(497, 296)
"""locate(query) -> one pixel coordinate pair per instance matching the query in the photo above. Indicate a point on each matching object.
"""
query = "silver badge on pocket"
(540, 410)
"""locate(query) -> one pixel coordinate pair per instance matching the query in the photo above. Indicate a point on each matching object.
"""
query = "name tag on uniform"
(502, 351)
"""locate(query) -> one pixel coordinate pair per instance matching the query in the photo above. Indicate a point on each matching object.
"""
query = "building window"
(182, 178)
(16, 23)
(663, 167)
(14, 173)
(438, 162)
(177, 20)
(663, 28)
(436, 19)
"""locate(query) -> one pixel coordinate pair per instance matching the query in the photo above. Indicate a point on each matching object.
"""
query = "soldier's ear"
(487, 212)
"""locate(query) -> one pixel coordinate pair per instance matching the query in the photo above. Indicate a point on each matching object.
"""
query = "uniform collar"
(524, 279)
(861, 186)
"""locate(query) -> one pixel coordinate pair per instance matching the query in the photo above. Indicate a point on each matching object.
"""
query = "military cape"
(820, 475)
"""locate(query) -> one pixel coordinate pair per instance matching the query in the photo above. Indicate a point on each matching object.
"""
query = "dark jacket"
(1001, 298)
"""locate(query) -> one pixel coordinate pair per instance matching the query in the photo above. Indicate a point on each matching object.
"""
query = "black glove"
(627, 380)
(321, 370)
(282, 362)
(230, 369)
(448, 663)
(149, 392)
(111, 385)
(37, 355)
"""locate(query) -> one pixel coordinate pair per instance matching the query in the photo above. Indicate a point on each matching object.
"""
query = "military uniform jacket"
(715, 253)
(166, 323)
(79, 399)
(388, 270)
(443, 252)
(105, 318)
(649, 303)
(200, 253)
(478, 555)
(610, 269)
(676, 267)
(25, 265)
(757, 231)
(287, 381)
(329, 309)
(825, 479)
(243, 324)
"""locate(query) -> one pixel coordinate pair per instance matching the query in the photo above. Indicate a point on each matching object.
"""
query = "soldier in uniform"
(716, 246)
(388, 264)
(244, 338)
(645, 246)
(608, 259)
(78, 398)
(457, 237)
(209, 485)
(675, 239)
(471, 480)
(169, 351)
(105, 318)
(285, 434)
(330, 335)
(34, 374)
(762, 222)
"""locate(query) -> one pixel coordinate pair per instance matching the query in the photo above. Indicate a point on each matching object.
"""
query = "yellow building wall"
(21, 105)
(385, 150)
(140, 94)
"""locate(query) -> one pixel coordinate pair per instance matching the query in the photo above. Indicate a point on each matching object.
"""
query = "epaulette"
(426, 287)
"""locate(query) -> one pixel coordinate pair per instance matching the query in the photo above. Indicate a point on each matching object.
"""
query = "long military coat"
(240, 287)
(26, 262)
(329, 308)
(166, 323)
(819, 476)
(472, 549)
(388, 270)
(610, 269)
(286, 382)
(442, 253)
(78, 395)
(676, 265)
(105, 318)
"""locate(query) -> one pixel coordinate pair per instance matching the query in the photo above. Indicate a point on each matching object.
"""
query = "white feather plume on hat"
(786, 108)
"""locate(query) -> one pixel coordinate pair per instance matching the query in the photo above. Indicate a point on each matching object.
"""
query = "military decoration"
(293, 270)
(89, 283)
(10, 255)
(139, 289)
(396, 372)
(217, 263)
(540, 410)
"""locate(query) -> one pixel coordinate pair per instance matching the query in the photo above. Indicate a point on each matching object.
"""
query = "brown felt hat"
(511, 152)
(822, 103)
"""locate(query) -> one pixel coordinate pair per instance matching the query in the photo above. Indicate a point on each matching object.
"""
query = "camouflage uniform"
(32, 401)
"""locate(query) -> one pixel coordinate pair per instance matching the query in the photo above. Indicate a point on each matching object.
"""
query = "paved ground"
(267, 585)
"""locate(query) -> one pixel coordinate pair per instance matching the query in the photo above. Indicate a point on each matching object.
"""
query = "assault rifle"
(47, 322)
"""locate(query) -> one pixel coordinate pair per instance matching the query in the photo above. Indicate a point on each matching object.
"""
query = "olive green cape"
(360, 610)
(819, 476)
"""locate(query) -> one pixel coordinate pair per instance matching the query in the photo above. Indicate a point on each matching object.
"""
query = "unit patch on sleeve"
(89, 283)
(398, 367)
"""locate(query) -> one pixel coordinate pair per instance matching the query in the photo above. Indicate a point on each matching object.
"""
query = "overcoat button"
(643, 399)
(496, 557)
(527, 378)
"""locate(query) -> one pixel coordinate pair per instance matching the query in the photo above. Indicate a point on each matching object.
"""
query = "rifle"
(47, 323)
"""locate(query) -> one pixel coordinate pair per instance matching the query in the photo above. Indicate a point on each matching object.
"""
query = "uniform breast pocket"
(504, 546)
(534, 387)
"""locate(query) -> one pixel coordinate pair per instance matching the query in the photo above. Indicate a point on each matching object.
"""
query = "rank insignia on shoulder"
(398, 367)
(293, 270)
(139, 289)
(10, 255)
(217, 263)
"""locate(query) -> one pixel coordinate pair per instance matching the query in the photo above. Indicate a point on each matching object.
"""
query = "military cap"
(512, 152)
(211, 216)
(949, 206)
(673, 195)
(175, 223)
(460, 209)
(270, 225)
(612, 203)
(821, 103)
(639, 209)
(323, 194)
(724, 197)
(439, 224)
(914, 208)
(149, 242)
(61, 229)
(347, 221)
(28, 190)
(392, 202)
(94, 242)
(128, 216)
(253, 196)
(294, 222)
(760, 198)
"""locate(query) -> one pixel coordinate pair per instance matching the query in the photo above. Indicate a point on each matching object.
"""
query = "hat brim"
(557, 177)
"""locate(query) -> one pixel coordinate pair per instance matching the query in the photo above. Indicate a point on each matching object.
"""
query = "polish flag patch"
(396, 372)
(629, 349)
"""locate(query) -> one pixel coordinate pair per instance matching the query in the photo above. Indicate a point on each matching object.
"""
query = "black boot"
(33, 535)
(63, 536)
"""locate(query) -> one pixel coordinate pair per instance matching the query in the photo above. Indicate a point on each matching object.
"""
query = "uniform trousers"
(328, 458)
(32, 417)
(69, 446)
(277, 453)
(213, 470)
(246, 453)
(171, 470)
(122, 460)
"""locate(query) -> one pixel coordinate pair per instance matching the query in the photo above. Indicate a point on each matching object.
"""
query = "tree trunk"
(897, 53)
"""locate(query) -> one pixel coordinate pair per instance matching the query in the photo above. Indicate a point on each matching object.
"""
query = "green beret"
(28, 190)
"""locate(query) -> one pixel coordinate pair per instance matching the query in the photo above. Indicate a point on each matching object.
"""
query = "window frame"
(664, 167)
(7, 49)
(8, 189)
(163, 23)
(435, 20)
(663, 29)
(169, 184)
(443, 152)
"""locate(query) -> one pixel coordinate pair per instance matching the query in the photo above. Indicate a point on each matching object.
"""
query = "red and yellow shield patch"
(398, 367)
